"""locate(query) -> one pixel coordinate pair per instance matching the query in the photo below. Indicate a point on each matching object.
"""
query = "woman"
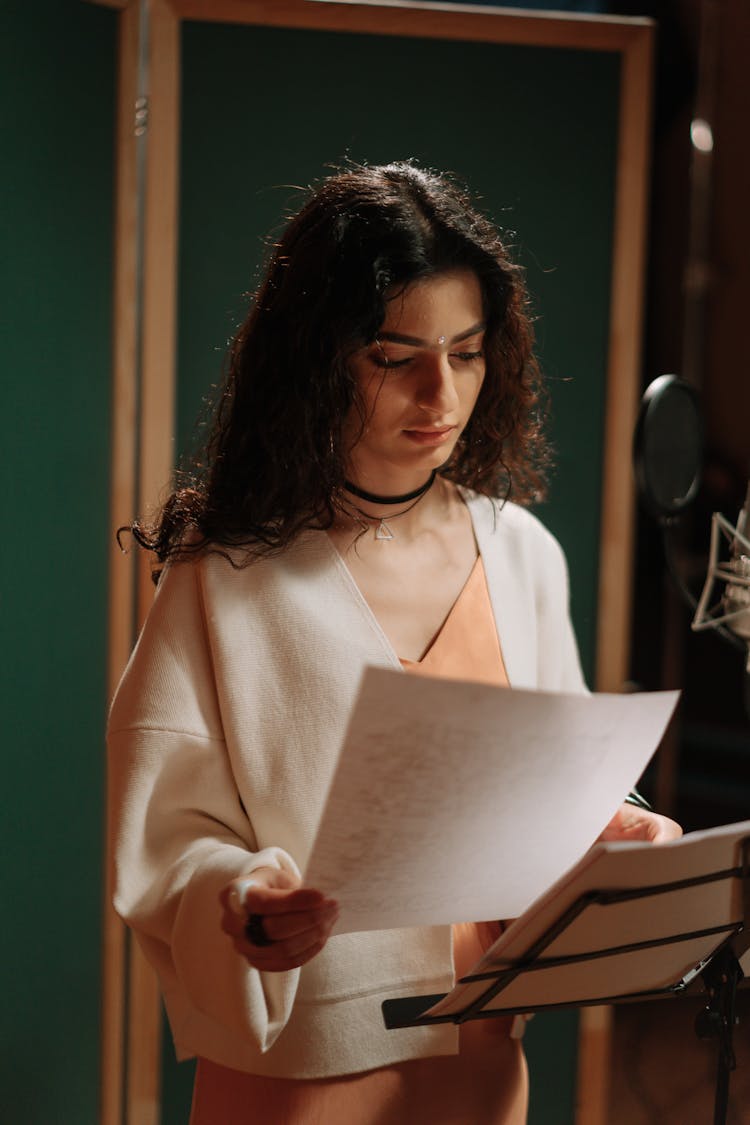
(381, 392)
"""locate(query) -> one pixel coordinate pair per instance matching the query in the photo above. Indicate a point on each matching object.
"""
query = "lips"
(432, 436)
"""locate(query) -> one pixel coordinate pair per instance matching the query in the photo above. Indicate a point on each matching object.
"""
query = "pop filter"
(668, 447)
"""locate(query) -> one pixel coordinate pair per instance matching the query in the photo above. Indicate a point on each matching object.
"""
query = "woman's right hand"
(296, 920)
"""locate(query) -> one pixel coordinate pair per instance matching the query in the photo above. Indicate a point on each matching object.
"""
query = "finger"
(280, 964)
(665, 830)
(630, 823)
(653, 828)
(261, 878)
(292, 947)
(261, 956)
(306, 955)
(269, 900)
(246, 896)
(280, 927)
(250, 897)
(289, 944)
(280, 956)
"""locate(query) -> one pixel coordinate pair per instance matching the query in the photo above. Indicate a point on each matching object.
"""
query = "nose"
(436, 392)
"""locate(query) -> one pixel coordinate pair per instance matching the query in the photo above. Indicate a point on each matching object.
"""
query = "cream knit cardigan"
(223, 738)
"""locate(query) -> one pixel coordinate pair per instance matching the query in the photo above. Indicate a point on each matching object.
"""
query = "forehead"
(441, 305)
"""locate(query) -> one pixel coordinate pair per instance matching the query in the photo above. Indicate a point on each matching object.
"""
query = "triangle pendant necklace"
(383, 531)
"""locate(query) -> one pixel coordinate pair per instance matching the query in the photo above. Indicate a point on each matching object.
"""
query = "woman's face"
(419, 382)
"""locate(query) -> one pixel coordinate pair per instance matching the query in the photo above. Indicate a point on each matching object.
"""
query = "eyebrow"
(417, 342)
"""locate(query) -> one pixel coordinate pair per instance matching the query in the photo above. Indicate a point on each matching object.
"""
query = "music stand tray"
(629, 922)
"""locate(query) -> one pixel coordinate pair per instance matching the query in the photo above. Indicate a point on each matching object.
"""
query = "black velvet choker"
(372, 498)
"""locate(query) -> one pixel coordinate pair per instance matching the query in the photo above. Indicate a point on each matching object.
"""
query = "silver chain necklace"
(383, 530)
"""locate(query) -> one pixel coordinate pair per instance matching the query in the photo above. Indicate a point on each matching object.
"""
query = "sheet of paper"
(461, 802)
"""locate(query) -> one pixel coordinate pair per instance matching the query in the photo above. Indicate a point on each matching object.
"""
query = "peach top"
(486, 1082)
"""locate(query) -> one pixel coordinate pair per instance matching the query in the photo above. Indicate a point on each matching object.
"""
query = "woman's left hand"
(632, 823)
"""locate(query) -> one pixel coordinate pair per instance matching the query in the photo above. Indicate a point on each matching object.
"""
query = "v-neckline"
(373, 620)
(504, 570)
(446, 620)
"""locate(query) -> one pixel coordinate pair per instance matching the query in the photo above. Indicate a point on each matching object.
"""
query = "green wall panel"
(57, 66)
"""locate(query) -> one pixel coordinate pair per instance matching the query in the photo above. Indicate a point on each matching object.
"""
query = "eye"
(467, 357)
(380, 359)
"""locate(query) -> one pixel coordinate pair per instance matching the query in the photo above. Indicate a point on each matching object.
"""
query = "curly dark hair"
(274, 462)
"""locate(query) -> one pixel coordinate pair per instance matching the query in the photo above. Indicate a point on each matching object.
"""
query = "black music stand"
(715, 972)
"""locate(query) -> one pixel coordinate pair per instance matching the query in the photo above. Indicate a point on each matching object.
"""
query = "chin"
(437, 456)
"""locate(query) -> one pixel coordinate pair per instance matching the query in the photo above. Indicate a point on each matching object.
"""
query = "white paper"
(460, 802)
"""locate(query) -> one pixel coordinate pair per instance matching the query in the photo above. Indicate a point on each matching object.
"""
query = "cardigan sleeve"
(179, 829)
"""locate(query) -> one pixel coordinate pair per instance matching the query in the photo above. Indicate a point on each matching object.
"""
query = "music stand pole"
(717, 1021)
